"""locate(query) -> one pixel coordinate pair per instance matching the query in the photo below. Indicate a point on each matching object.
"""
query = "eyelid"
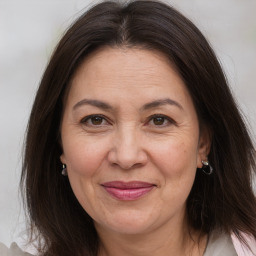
(150, 118)
(169, 119)
(86, 118)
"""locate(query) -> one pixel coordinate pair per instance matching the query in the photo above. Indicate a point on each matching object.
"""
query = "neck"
(177, 241)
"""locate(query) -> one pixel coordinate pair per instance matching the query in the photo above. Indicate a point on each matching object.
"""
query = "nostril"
(127, 156)
(126, 167)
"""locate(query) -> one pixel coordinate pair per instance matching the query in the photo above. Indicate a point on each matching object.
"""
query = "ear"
(204, 145)
(63, 158)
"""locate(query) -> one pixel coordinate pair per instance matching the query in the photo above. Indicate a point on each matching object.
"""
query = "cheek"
(177, 164)
(176, 158)
(84, 156)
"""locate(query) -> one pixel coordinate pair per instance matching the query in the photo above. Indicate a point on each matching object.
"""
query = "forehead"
(127, 72)
(127, 62)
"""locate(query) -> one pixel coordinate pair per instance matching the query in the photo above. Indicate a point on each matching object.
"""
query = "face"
(131, 140)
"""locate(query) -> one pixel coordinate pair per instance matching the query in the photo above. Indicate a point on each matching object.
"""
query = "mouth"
(127, 191)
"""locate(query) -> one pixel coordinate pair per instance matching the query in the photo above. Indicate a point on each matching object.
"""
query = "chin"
(129, 223)
(133, 229)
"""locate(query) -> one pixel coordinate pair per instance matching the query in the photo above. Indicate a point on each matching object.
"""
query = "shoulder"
(14, 250)
(241, 249)
(220, 244)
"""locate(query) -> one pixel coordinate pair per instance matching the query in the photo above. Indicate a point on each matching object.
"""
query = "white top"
(13, 251)
(219, 244)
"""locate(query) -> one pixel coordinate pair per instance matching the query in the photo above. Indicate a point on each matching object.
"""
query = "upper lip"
(127, 185)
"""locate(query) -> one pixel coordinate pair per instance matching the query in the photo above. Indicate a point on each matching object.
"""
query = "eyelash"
(87, 118)
(166, 118)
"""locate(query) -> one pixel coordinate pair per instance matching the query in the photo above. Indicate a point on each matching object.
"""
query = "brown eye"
(96, 120)
(158, 120)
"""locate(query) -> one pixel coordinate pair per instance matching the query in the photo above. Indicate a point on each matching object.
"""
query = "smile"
(128, 191)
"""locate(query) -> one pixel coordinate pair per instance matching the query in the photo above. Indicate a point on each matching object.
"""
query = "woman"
(134, 111)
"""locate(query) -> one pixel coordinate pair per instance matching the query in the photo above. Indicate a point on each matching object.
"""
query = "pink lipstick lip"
(127, 185)
(128, 191)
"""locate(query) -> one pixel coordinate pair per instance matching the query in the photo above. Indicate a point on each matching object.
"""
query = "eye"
(94, 120)
(160, 120)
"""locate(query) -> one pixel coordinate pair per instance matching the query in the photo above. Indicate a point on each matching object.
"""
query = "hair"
(222, 200)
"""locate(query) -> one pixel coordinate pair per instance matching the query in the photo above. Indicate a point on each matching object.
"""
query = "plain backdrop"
(30, 29)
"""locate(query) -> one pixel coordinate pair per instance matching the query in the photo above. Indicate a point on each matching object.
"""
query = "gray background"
(29, 30)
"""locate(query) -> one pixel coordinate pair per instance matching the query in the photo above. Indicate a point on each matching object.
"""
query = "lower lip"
(128, 194)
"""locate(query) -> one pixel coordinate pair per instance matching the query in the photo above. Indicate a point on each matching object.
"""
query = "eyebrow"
(95, 103)
(161, 102)
(147, 106)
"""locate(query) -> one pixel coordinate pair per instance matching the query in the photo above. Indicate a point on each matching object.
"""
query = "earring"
(64, 170)
(207, 168)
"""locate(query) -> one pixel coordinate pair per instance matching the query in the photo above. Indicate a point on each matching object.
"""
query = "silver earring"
(207, 168)
(64, 170)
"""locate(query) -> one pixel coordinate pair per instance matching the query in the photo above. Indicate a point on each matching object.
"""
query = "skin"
(126, 143)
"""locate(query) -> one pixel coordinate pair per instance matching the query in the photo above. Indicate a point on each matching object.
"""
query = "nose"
(127, 150)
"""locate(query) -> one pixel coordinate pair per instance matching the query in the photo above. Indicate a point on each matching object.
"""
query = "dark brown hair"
(222, 200)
